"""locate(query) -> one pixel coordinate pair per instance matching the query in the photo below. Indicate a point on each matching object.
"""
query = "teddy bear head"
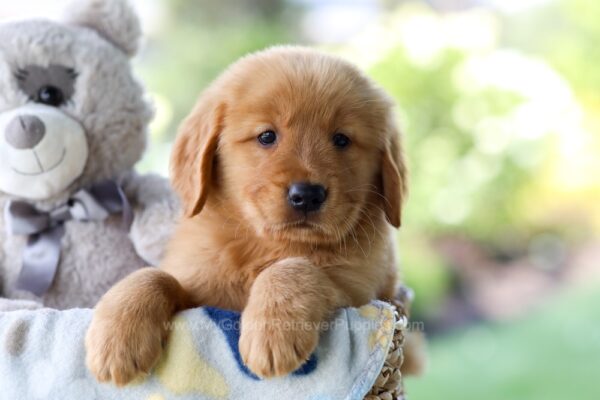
(71, 111)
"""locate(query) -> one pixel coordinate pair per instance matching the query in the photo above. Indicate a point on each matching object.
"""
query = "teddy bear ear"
(114, 20)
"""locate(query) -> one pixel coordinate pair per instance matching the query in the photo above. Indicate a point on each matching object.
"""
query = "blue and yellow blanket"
(42, 357)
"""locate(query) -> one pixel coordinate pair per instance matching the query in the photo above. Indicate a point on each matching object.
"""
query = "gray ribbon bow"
(46, 229)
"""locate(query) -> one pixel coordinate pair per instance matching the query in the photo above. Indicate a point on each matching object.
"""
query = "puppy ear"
(193, 155)
(114, 20)
(394, 176)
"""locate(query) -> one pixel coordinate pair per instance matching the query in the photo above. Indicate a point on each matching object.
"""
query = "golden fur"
(240, 245)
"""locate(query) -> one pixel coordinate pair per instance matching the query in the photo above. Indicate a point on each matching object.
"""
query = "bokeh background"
(500, 104)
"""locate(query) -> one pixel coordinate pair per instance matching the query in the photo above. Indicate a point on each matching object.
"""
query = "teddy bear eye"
(267, 138)
(50, 95)
(341, 141)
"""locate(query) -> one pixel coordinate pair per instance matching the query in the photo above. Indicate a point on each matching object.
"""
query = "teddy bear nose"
(25, 132)
(306, 197)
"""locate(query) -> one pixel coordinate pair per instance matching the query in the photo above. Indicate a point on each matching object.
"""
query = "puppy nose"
(25, 132)
(306, 197)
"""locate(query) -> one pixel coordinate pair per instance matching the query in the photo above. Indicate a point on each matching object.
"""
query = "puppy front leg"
(280, 323)
(129, 326)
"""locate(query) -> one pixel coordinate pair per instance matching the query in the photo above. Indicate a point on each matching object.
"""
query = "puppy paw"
(122, 347)
(271, 348)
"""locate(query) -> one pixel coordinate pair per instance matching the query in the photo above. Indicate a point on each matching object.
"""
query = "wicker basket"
(389, 384)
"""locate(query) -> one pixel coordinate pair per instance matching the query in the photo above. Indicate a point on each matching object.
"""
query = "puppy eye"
(267, 138)
(341, 141)
(50, 95)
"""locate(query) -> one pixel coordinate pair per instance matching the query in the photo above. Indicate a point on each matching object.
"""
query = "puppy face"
(298, 144)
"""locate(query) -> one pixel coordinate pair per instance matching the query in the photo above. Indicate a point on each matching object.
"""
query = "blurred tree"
(486, 130)
(199, 39)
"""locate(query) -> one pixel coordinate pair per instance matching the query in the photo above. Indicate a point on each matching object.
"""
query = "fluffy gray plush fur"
(94, 43)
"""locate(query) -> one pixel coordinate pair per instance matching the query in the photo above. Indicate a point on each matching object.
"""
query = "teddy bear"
(76, 217)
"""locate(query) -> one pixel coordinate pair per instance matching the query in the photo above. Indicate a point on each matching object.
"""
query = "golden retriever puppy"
(291, 174)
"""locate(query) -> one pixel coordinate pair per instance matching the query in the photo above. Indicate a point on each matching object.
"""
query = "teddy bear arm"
(156, 209)
(2, 258)
(7, 304)
(15, 304)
